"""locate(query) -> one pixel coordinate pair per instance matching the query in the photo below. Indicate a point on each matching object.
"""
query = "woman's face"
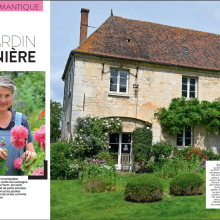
(5, 98)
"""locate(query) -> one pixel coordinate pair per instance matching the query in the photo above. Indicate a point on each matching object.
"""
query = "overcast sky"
(65, 24)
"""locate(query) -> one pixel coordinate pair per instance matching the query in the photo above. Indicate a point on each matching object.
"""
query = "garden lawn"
(69, 201)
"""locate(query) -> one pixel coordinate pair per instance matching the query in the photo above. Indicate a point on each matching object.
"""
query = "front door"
(120, 144)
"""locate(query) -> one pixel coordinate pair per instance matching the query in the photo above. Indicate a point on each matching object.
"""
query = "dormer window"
(185, 48)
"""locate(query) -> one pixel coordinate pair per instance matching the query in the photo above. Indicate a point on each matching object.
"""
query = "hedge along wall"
(142, 142)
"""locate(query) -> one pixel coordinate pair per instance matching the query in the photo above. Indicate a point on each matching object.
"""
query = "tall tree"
(55, 119)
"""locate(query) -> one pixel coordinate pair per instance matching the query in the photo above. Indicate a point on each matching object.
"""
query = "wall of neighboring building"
(67, 101)
(157, 86)
(207, 140)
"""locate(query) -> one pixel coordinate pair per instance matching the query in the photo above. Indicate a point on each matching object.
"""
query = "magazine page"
(24, 109)
(138, 97)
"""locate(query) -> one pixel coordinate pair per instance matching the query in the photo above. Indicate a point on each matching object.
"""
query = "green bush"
(144, 188)
(187, 184)
(60, 163)
(183, 151)
(141, 152)
(161, 151)
(142, 142)
(30, 93)
(211, 155)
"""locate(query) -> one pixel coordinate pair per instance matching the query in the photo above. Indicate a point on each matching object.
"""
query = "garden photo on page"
(22, 123)
(134, 110)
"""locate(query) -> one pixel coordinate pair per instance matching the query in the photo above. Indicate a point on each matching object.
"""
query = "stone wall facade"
(157, 86)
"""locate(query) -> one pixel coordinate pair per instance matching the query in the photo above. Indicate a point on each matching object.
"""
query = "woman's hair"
(8, 83)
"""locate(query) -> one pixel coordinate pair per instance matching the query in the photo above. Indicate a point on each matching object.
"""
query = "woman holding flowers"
(14, 130)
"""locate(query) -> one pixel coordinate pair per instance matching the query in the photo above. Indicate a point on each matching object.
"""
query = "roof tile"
(154, 43)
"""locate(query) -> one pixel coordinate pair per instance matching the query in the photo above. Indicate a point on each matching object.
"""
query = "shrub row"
(147, 188)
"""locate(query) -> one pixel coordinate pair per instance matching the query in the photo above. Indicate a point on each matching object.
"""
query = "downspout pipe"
(72, 82)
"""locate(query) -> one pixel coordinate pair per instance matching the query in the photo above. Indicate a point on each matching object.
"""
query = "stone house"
(129, 68)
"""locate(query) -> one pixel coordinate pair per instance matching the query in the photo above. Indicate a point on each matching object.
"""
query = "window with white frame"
(189, 87)
(184, 139)
(118, 81)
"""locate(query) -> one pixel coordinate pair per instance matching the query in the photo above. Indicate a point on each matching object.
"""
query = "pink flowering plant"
(38, 172)
(18, 139)
(34, 167)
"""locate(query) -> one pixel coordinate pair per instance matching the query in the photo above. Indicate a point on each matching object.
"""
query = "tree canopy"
(55, 119)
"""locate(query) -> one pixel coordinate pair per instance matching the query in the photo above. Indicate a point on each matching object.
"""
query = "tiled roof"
(154, 43)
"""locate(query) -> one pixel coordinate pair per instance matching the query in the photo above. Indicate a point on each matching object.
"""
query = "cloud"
(56, 86)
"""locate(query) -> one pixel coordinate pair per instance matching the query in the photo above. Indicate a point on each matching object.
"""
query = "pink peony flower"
(19, 132)
(17, 163)
(19, 143)
(18, 136)
(42, 128)
(39, 135)
(38, 172)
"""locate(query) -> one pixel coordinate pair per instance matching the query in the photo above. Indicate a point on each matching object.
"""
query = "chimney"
(84, 24)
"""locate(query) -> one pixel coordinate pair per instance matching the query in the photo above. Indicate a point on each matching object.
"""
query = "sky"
(65, 24)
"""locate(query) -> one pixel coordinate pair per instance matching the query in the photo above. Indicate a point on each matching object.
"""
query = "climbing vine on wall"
(182, 113)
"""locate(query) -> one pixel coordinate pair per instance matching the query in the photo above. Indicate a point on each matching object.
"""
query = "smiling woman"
(9, 119)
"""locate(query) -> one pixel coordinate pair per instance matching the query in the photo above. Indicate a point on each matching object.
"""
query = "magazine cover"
(24, 112)
(136, 87)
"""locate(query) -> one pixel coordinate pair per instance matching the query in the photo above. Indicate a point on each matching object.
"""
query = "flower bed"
(97, 177)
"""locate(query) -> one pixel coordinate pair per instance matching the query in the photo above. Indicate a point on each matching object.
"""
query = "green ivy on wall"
(182, 113)
(142, 142)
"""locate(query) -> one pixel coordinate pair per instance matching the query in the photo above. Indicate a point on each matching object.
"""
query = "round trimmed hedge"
(187, 184)
(144, 188)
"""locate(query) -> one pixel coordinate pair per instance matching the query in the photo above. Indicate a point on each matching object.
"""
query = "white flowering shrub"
(92, 134)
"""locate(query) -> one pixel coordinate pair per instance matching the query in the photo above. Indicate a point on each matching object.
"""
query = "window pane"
(122, 88)
(192, 95)
(113, 80)
(180, 135)
(113, 88)
(114, 138)
(184, 87)
(123, 74)
(126, 138)
(184, 93)
(188, 134)
(188, 128)
(192, 81)
(125, 148)
(123, 81)
(114, 73)
(114, 148)
(179, 142)
(184, 80)
(187, 142)
(192, 88)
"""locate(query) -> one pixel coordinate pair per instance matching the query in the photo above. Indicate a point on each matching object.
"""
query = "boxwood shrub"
(187, 184)
(144, 188)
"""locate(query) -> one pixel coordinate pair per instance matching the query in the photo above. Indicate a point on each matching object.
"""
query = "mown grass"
(69, 201)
